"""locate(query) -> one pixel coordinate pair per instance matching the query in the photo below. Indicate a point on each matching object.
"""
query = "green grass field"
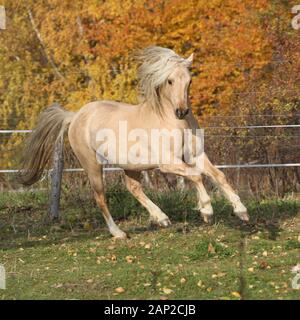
(76, 258)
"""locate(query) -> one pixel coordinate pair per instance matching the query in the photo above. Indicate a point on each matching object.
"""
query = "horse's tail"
(40, 144)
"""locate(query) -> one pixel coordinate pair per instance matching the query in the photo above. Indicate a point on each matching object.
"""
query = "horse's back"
(96, 115)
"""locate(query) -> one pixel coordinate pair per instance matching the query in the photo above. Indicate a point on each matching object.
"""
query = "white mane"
(157, 64)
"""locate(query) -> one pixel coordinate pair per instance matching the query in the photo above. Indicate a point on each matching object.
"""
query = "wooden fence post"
(147, 179)
(56, 176)
(180, 183)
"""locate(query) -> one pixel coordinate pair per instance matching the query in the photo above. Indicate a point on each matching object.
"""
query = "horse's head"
(165, 80)
(176, 89)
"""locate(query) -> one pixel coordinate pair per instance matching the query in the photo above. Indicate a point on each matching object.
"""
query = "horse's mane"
(156, 64)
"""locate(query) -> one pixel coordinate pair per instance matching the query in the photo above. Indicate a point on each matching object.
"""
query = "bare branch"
(80, 26)
(48, 57)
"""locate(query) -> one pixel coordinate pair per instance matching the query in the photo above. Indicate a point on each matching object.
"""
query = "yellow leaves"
(236, 294)
(219, 275)
(211, 249)
(119, 290)
(129, 259)
(264, 265)
(167, 290)
(92, 250)
(113, 257)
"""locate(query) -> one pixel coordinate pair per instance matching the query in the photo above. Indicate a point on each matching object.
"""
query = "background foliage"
(72, 52)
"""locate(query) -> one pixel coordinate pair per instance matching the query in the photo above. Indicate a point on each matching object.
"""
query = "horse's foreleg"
(204, 202)
(132, 181)
(219, 179)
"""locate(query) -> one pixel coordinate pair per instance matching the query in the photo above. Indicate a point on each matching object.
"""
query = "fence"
(222, 166)
(57, 170)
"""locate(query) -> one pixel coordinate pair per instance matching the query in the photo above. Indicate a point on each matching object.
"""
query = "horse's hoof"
(120, 236)
(207, 218)
(164, 223)
(243, 215)
(207, 214)
(161, 223)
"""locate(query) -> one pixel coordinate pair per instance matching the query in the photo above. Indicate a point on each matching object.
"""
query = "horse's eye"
(170, 82)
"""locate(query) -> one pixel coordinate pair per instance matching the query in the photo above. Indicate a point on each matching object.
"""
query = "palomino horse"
(164, 81)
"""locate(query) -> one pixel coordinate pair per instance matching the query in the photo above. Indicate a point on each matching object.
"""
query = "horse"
(164, 81)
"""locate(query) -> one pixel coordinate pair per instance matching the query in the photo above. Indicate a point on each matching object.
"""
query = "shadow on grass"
(181, 206)
(265, 215)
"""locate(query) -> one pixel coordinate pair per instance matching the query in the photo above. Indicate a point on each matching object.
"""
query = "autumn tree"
(74, 51)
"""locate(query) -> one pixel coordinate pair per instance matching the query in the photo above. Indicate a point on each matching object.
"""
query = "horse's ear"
(189, 60)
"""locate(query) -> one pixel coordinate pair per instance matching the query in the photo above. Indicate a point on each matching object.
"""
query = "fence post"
(180, 183)
(147, 179)
(56, 176)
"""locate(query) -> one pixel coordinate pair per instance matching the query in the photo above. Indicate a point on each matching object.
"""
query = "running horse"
(164, 81)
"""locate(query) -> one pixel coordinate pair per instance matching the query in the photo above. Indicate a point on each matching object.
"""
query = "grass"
(76, 258)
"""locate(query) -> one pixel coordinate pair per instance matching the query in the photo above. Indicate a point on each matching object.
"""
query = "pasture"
(76, 258)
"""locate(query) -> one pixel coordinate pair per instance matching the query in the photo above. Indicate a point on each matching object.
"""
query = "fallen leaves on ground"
(119, 290)
(236, 294)
(167, 290)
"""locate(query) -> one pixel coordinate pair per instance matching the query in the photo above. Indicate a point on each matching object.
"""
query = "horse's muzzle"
(181, 113)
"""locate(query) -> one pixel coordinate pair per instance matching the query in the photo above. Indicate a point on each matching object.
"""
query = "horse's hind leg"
(95, 173)
(132, 181)
(96, 180)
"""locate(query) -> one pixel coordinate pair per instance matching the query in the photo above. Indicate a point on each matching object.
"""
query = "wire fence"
(209, 127)
(221, 166)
